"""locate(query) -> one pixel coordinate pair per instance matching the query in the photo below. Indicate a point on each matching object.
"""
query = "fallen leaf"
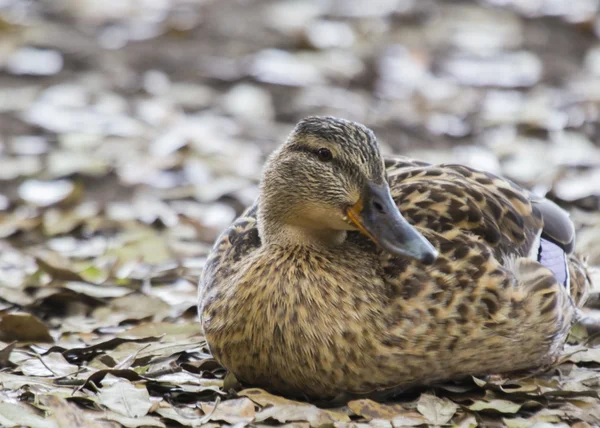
(97, 377)
(122, 397)
(577, 410)
(502, 406)
(53, 364)
(587, 355)
(466, 421)
(184, 416)
(528, 386)
(69, 415)
(171, 331)
(12, 414)
(437, 411)
(12, 381)
(370, 410)
(13, 223)
(127, 362)
(96, 290)
(58, 272)
(534, 421)
(240, 410)
(5, 355)
(163, 350)
(577, 334)
(131, 422)
(23, 328)
(90, 351)
(34, 62)
(14, 297)
(581, 425)
(133, 307)
(285, 410)
(45, 193)
(143, 244)
(59, 221)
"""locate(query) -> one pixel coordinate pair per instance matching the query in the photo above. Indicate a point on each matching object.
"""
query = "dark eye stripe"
(340, 165)
(300, 148)
(314, 152)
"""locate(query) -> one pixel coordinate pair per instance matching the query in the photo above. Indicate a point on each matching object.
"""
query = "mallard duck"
(353, 274)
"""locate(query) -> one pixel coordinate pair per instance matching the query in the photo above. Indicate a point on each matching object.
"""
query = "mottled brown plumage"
(295, 300)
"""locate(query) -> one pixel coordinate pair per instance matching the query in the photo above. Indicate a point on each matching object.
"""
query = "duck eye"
(324, 155)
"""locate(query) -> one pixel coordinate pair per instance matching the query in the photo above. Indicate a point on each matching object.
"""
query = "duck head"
(329, 178)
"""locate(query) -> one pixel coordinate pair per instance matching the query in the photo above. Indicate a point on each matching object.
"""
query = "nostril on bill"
(378, 207)
(428, 258)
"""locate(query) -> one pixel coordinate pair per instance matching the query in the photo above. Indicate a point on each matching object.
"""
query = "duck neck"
(278, 226)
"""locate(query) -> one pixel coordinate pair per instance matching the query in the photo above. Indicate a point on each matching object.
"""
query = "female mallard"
(352, 274)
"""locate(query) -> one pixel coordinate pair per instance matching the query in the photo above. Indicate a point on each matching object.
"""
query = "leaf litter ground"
(130, 136)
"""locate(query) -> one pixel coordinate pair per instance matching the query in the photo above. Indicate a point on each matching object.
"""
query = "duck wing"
(236, 242)
(452, 200)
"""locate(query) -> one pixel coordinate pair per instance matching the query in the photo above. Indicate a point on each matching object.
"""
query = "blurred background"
(133, 131)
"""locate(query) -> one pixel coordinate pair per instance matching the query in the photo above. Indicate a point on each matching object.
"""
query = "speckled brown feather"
(454, 197)
(353, 319)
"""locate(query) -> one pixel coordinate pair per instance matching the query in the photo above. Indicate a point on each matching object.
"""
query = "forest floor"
(133, 131)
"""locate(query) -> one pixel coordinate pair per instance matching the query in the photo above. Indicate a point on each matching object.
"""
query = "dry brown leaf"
(131, 422)
(15, 296)
(285, 410)
(58, 272)
(122, 397)
(96, 290)
(53, 364)
(502, 406)
(97, 377)
(581, 425)
(23, 327)
(465, 421)
(302, 425)
(587, 355)
(46, 193)
(171, 331)
(89, 352)
(128, 351)
(532, 422)
(68, 415)
(184, 416)
(236, 411)
(167, 349)
(19, 414)
(437, 411)
(5, 355)
(133, 307)
(370, 410)
(11, 224)
(586, 411)
(12, 381)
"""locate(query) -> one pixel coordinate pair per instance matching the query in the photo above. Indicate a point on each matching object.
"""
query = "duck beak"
(377, 216)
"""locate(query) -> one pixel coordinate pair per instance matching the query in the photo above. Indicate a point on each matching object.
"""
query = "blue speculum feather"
(554, 258)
